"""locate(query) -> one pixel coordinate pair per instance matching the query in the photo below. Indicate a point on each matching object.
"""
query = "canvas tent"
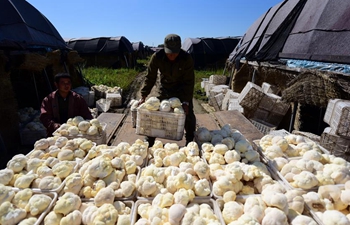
(113, 52)
(299, 29)
(22, 26)
(209, 51)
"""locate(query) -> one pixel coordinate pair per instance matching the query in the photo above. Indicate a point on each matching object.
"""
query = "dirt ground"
(136, 93)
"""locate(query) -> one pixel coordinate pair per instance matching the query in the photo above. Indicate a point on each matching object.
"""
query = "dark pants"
(190, 126)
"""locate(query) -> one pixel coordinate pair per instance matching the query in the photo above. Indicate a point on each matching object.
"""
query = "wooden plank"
(113, 121)
(126, 133)
(238, 121)
(207, 120)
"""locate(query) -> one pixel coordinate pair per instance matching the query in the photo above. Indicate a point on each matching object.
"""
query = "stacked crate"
(336, 137)
(271, 109)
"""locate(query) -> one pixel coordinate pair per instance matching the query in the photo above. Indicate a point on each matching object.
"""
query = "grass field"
(124, 77)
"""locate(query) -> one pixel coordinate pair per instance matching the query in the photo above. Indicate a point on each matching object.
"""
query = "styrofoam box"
(116, 99)
(103, 105)
(204, 82)
(229, 95)
(160, 124)
(266, 87)
(217, 89)
(207, 89)
(213, 205)
(329, 110)
(91, 100)
(250, 96)
(340, 120)
(233, 104)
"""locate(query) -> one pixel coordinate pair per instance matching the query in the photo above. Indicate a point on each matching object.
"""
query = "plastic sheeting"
(343, 68)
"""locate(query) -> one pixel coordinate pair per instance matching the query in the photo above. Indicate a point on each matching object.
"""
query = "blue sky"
(150, 21)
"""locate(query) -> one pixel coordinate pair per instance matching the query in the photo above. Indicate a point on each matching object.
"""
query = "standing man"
(177, 79)
(62, 104)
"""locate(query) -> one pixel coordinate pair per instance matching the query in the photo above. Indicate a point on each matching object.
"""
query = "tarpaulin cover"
(23, 26)
(105, 45)
(209, 50)
(299, 29)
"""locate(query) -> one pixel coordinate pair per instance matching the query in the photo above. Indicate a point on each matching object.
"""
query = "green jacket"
(177, 78)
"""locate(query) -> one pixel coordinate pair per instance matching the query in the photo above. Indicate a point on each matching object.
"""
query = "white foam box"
(233, 104)
(103, 105)
(167, 125)
(91, 100)
(269, 88)
(340, 120)
(204, 82)
(250, 96)
(217, 89)
(229, 95)
(116, 99)
(329, 110)
(207, 89)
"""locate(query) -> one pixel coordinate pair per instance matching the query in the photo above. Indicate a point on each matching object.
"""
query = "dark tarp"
(299, 29)
(23, 26)
(105, 45)
(138, 46)
(104, 51)
(207, 51)
(321, 33)
(139, 50)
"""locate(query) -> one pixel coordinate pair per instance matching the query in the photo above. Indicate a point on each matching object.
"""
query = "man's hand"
(56, 126)
(185, 106)
(142, 100)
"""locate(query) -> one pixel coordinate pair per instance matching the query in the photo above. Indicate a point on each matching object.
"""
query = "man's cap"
(62, 75)
(172, 43)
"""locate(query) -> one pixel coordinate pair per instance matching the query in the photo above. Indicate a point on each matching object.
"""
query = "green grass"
(123, 78)
(199, 93)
